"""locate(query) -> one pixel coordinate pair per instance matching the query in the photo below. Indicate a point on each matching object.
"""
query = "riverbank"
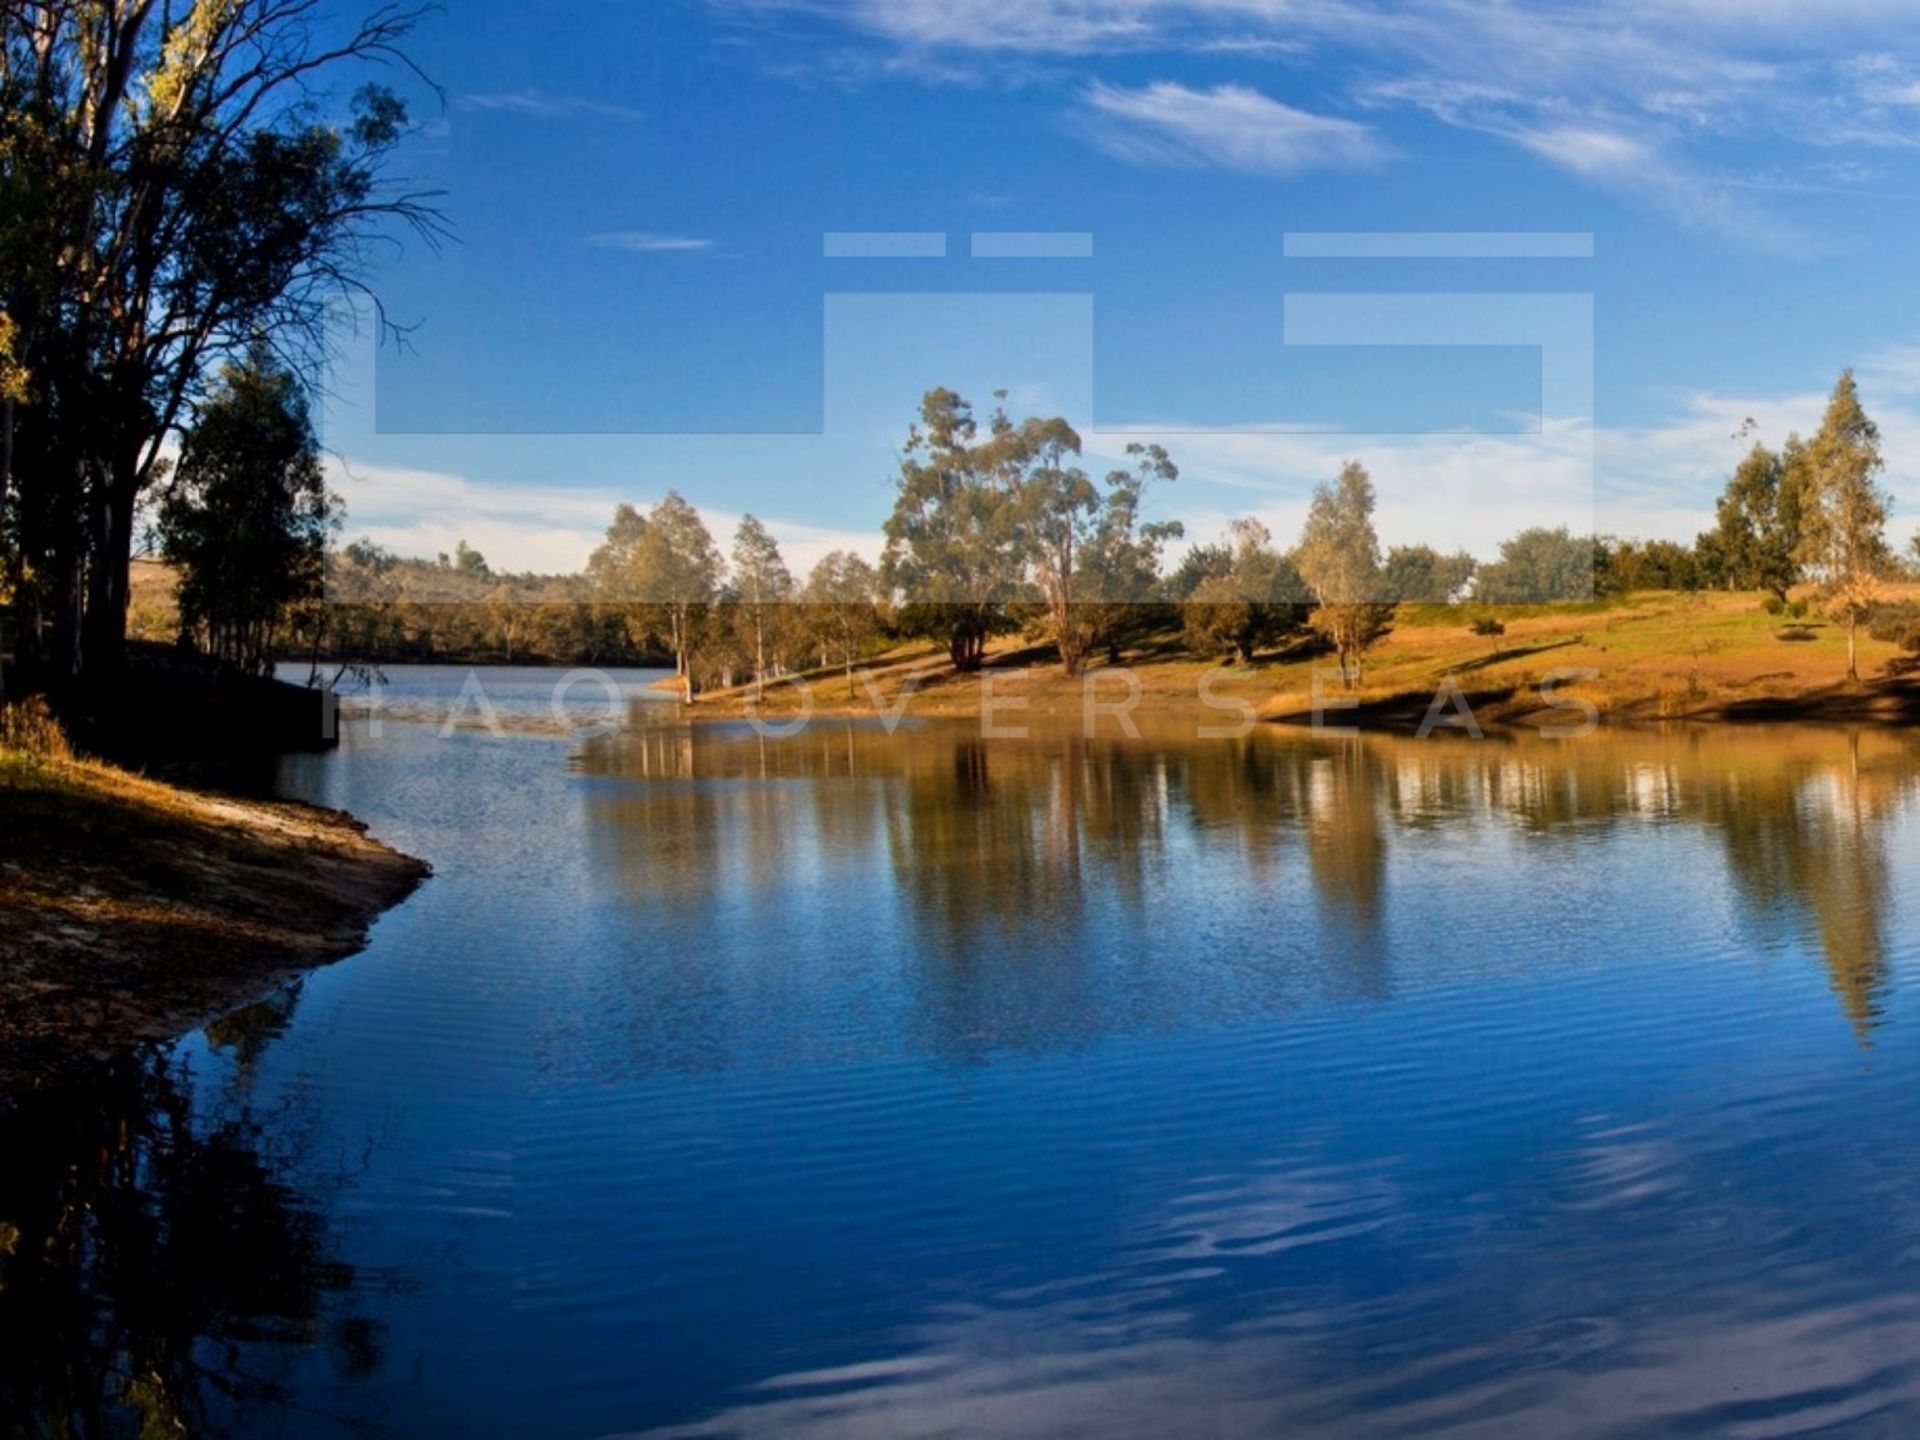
(133, 911)
(1648, 657)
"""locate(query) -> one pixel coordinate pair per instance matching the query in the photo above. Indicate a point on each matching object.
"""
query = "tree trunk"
(1073, 657)
(69, 618)
(109, 576)
(968, 644)
(69, 588)
(1853, 667)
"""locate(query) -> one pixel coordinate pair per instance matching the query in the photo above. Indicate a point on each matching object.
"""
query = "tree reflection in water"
(161, 1268)
(1014, 859)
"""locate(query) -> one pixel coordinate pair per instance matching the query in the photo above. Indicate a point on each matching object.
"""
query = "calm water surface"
(856, 1085)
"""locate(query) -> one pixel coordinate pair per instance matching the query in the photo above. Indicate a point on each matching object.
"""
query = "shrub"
(1773, 605)
(29, 727)
(1897, 624)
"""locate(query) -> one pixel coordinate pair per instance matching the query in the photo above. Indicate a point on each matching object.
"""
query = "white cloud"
(645, 242)
(550, 529)
(1448, 490)
(1587, 150)
(1654, 482)
(544, 105)
(1229, 125)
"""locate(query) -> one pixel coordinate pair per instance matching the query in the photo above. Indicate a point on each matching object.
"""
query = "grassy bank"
(132, 911)
(1654, 656)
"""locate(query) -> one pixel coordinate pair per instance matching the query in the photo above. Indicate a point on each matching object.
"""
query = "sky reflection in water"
(856, 1085)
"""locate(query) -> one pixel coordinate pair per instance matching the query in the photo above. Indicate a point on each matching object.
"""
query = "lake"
(857, 1084)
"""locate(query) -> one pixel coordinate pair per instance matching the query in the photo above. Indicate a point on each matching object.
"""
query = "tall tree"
(763, 584)
(1339, 558)
(246, 515)
(1247, 595)
(1756, 541)
(1119, 565)
(1058, 508)
(612, 573)
(677, 569)
(183, 203)
(955, 544)
(1844, 513)
(842, 599)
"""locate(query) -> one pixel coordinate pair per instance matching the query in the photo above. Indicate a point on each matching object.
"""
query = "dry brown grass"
(153, 604)
(1652, 656)
(29, 731)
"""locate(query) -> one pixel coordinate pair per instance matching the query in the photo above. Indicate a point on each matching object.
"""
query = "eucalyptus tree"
(762, 584)
(611, 564)
(179, 189)
(1339, 558)
(1059, 508)
(1422, 575)
(843, 606)
(984, 524)
(1756, 539)
(1539, 566)
(677, 572)
(1844, 513)
(246, 515)
(1247, 596)
(955, 548)
(612, 573)
(1119, 564)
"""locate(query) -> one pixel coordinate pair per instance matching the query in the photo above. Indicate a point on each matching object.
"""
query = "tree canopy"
(1539, 566)
(179, 191)
(1339, 558)
(246, 515)
(1843, 512)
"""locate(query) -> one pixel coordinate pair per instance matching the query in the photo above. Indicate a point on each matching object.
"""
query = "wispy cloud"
(544, 105)
(1229, 125)
(645, 242)
(1649, 97)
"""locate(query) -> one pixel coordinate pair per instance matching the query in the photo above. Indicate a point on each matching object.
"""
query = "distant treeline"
(997, 530)
(382, 608)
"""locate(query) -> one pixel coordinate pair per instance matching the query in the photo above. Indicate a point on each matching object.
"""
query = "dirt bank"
(133, 911)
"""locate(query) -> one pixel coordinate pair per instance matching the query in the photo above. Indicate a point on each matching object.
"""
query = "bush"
(1540, 566)
(1797, 610)
(1773, 605)
(1488, 626)
(1896, 624)
(29, 727)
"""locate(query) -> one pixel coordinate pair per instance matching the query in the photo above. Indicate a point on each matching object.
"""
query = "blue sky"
(639, 297)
